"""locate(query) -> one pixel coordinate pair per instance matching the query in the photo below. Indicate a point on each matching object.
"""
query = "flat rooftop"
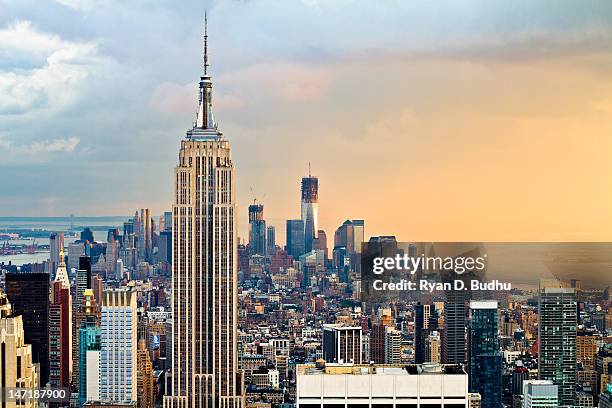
(379, 369)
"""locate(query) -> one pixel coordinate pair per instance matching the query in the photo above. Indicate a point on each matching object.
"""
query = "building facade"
(28, 294)
(119, 330)
(361, 386)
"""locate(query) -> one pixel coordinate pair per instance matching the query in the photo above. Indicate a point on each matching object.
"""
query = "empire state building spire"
(205, 124)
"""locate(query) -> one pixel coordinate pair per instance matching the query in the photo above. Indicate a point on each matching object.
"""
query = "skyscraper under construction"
(310, 208)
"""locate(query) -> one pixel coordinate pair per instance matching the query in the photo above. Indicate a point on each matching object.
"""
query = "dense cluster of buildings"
(174, 310)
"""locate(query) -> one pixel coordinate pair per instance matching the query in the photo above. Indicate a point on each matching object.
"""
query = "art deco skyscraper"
(204, 275)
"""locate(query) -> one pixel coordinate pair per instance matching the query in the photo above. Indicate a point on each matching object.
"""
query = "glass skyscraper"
(557, 341)
(485, 360)
(295, 238)
(257, 229)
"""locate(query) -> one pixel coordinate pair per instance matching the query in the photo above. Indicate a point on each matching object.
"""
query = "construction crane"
(255, 195)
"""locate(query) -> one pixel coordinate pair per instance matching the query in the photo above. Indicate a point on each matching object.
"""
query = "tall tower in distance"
(310, 209)
(257, 229)
(204, 266)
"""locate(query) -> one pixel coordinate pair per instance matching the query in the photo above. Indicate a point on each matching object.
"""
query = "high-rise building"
(75, 251)
(87, 235)
(89, 360)
(145, 386)
(377, 338)
(60, 328)
(485, 360)
(393, 346)
(83, 281)
(270, 240)
(557, 341)
(586, 349)
(165, 246)
(424, 314)
(56, 247)
(539, 394)
(295, 238)
(204, 278)
(143, 225)
(89, 334)
(167, 221)
(310, 209)
(358, 235)
(118, 363)
(17, 369)
(433, 347)
(453, 338)
(342, 343)
(28, 293)
(257, 229)
(321, 243)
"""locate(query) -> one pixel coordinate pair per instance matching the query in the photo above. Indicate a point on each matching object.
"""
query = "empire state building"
(204, 275)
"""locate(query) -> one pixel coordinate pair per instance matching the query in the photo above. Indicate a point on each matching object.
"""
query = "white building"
(350, 385)
(118, 364)
(540, 394)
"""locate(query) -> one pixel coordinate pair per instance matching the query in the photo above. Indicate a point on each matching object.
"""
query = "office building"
(377, 338)
(83, 282)
(17, 369)
(204, 311)
(89, 359)
(295, 238)
(56, 248)
(270, 240)
(257, 229)
(433, 347)
(145, 384)
(167, 224)
(485, 360)
(539, 394)
(557, 341)
(165, 246)
(75, 251)
(118, 363)
(87, 236)
(453, 336)
(342, 343)
(352, 385)
(60, 328)
(321, 243)
(28, 294)
(393, 346)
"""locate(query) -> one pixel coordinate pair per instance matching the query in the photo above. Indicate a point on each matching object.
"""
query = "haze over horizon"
(458, 121)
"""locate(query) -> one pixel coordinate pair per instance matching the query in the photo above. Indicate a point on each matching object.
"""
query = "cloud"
(288, 82)
(37, 151)
(52, 83)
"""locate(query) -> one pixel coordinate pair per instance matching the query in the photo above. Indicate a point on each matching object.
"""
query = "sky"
(432, 121)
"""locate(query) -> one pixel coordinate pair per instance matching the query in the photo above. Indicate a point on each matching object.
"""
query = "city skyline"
(454, 127)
